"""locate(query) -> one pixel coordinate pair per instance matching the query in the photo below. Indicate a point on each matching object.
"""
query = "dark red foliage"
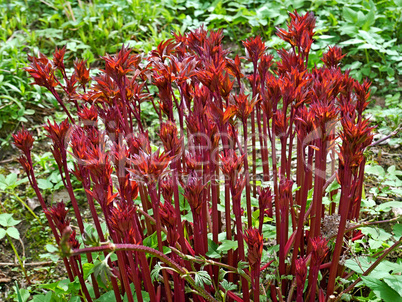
(58, 213)
(333, 56)
(58, 58)
(193, 192)
(42, 70)
(215, 124)
(121, 64)
(254, 241)
(81, 72)
(24, 140)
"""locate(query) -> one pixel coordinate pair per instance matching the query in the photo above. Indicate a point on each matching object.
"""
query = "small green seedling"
(8, 229)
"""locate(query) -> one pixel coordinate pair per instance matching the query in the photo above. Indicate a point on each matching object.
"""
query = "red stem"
(155, 205)
(247, 175)
(343, 211)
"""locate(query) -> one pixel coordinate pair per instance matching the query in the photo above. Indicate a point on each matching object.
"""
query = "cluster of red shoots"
(215, 122)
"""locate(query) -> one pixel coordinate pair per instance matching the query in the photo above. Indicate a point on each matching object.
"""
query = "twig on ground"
(32, 264)
(395, 132)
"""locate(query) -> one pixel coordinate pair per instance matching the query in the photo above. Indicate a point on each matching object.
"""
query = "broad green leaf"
(333, 186)
(88, 269)
(387, 206)
(108, 297)
(381, 271)
(74, 286)
(395, 282)
(43, 298)
(352, 42)
(51, 248)
(11, 179)
(7, 220)
(24, 294)
(368, 203)
(349, 14)
(3, 184)
(397, 230)
(381, 289)
(13, 233)
(227, 245)
(44, 184)
(370, 18)
(375, 170)
(213, 250)
(151, 241)
(63, 284)
(268, 231)
(49, 286)
(376, 233)
(3, 219)
(360, 18)
(375, 244)
(2, 233)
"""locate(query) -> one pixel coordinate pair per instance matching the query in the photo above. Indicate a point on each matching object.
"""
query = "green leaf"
(227, 245)
(63, 284)
(2, 233)
(17, 289)
(11, 179)
(43, 298)
(398, 3)
(108, 297)
(395, 282)
(370, 17)
(88, 269)
(376, 233)
(201, 278)
(51, 248)
(387, 206)
(44, 184)
(3, 184)
(13, 233)
(381, 271)
(349, 14)
(375, 170)
(242, 265)
(381, 289)
(74, 287)
(151, 241)
(145, 296)
(333, 186)
(49, 286)
(228, 285)
(397, 230)
(103, 270)
(155, 273)
(213, 250)
(7, 220)
(268, 231)
(25, 294)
